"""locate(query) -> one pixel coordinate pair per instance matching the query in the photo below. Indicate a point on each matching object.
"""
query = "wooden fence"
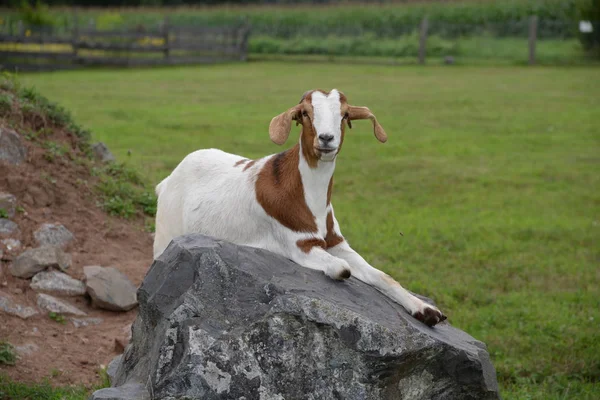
(28, 50)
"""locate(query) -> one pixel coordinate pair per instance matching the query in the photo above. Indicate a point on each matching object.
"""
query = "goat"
(282, 202)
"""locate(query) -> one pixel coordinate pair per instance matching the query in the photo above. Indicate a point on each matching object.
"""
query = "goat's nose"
(326, 138)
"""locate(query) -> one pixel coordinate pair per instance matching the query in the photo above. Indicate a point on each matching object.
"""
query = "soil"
(60, 190)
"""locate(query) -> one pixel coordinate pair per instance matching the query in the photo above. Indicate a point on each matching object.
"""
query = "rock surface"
(219, 321)
(109, 288)
(111, 369)
(57, 283)
(35, 260)
(102, 153)
(8, 203)
(52, 304)
(12, 149)
(11, 245)
(8, 305)
(80, 322)
(53, 235)
(8, 228)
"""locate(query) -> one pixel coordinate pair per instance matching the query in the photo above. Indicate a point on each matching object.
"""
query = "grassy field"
(490, 173)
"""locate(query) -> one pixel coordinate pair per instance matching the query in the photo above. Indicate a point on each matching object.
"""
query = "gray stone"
(8, 203)
(11, 245)
(80, 322)
(12, 149)
(8, 228)
(219, 321)
(111, 369)
(53, 235)
(8, 305)
(27, 349)
(52, 304)
(35, 260)
(57, 283)
(131, 391)
(109, 288)
(102, 153)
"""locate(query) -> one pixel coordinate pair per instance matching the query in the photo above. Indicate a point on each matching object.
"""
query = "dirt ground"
(60, 191)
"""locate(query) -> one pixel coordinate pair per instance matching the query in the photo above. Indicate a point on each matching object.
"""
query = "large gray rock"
(219, 321)
(53, 235)
(8, 228)
(52, 304)
(109, 288)
(12, 149)
(9, 306)
(102, 153)
(8, 203)
(57, 283)
(35, 260)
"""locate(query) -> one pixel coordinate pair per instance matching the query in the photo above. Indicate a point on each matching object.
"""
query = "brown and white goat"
(281, 202)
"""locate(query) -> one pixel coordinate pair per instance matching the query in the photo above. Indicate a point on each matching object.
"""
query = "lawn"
(490, 173)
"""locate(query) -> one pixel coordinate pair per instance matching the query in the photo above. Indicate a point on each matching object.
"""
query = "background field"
(470, 31)
(490, 173)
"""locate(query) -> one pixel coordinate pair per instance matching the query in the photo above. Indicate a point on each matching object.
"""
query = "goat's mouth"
(326, 150)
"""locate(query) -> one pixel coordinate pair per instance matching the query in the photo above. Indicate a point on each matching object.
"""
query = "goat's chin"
(328, 157)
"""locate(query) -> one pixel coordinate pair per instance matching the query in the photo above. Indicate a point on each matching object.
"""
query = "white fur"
(327, 119)
(208, 194)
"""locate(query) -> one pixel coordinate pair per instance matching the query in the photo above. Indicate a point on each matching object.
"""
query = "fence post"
(533, 22)
(423, 40)
(75, 37)
(165, 28)
(20, 29)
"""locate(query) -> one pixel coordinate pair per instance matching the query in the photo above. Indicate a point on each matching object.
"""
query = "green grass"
(490, 173)
(10, 390)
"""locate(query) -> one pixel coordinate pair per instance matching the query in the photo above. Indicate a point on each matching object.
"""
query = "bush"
(37, 15)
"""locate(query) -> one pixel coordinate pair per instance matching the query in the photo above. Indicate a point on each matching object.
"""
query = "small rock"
(27, 349)
(129, 391)
(35, 260)
(52, 304)
(102, 152)
(8, 305)
(17, 291)
(57, 283)
(448, 60)
(8, 203)
(110, 288)
(11, 245)
(111, 369)
(12, 149)
(53, 235)
(8, 228)
(80, 322)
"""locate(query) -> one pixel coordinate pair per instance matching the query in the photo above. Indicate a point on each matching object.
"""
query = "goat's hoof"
(430, 316)
(345, 274)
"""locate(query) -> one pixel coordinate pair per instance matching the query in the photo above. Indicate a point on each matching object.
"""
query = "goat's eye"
(346, 116)
(304, 114)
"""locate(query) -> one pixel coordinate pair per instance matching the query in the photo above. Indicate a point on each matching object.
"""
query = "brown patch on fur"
(306, 245)
(332, 239)
(250, 164)
(280, 192)
(237, 164)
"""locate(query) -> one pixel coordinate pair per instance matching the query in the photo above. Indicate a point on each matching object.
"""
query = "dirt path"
(60, 191)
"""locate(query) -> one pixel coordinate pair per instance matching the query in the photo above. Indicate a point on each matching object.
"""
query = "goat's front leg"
(310, 253)
(363, 271)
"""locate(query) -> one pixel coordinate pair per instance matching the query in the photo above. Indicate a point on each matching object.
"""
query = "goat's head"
(324, 116)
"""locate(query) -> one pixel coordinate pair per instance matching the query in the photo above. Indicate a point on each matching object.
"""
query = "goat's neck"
(315, 181)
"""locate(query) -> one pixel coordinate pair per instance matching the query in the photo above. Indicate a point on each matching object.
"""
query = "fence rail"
(27, 50)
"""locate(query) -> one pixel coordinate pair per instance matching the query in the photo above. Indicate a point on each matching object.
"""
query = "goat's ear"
(280, 126)
(364, 113)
